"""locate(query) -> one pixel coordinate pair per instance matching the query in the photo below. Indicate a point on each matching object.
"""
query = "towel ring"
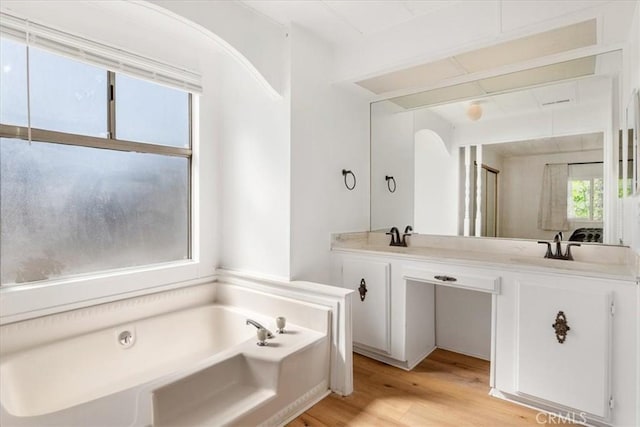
(345, 173)
(390, 179)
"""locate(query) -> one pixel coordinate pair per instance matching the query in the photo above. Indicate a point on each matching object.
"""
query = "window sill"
(23, 301)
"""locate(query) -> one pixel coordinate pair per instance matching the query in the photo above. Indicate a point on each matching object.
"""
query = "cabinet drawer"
(572, 371)
(473, 282)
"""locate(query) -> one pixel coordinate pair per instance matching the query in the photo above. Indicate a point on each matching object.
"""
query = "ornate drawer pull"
(445, 278)
(362, 289)
(561, 327)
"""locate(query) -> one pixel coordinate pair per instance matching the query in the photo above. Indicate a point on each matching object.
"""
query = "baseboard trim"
(406, 365)
(413, 363)
(455, 350)
(299, 406)
(564, 415)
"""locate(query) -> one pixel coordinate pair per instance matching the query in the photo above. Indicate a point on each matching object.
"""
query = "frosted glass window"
(68, 210)
(67, 95)
(147, 112)
(13, 83)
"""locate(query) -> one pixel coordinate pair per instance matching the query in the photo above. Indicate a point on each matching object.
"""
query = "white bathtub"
(195, 366)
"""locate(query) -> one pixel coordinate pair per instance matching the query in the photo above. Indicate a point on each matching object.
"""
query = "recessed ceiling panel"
(439, 96)
(550, 73)
(539, 45)
(421, 75)
(524, 49)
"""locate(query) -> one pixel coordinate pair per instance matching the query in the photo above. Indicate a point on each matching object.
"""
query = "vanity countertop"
(596, 261)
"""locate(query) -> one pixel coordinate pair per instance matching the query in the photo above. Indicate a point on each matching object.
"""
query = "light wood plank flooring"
(445, 389)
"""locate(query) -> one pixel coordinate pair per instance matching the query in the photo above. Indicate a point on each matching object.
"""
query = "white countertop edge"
(622, 272)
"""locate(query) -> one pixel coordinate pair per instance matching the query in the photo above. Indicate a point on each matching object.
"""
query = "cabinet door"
(371, 314)
(574, 373)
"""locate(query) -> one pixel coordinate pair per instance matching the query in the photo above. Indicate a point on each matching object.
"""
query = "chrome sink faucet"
(259, 326)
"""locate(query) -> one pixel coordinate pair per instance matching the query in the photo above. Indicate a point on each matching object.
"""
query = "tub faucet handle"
(280, 323)
(262, 337)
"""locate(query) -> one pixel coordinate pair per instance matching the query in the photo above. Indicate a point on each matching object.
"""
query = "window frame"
(24, 300)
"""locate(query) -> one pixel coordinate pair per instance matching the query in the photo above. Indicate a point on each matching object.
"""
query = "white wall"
(468, 330)
(252, 130)
(393, 152)
(436, 186)
(519, 194)
(427, 119)
(329, 132)
(252, 133)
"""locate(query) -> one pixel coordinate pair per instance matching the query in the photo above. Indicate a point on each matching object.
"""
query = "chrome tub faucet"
(259, 326)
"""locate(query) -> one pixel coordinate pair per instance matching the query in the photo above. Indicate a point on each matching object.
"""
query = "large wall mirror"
(521, 155)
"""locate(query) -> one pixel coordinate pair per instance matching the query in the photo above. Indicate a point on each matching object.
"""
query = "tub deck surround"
(592, 260)
(339, 300)
(195, 365)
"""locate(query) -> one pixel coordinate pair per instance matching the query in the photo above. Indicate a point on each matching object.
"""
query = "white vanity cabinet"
(371, 306)
(563, 342)
(395, 323)
(591, 376)
(593, 372)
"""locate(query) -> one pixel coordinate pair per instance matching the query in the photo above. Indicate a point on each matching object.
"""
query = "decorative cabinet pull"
(445, 278)
(363, 290)
(561, 327)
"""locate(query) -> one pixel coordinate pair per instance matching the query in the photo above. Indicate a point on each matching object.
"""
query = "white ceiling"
(345, 21)
(593, 90)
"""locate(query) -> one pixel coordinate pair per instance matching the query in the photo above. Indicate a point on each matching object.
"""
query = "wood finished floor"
(445, 389)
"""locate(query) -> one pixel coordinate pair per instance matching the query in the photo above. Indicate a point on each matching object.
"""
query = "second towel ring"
(390, 179)
(344, 174)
